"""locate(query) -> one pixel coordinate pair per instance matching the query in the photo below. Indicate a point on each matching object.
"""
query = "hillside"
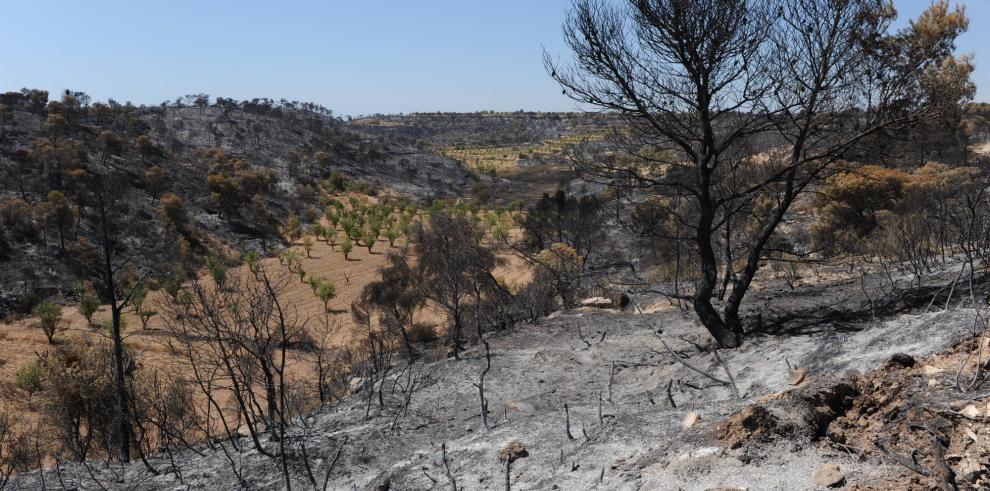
(484, 128)
(269, 160)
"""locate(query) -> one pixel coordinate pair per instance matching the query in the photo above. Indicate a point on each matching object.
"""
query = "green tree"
(293, 228)
(346, 247)
(326, 291)
(49, 316)
(88, 305)
(370, 236)
(308, 245)
(391, 234)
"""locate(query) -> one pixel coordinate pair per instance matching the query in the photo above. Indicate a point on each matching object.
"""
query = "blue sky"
(354, 56)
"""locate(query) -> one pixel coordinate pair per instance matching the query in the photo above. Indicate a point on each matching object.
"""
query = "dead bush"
(78, 398)
(422, 332)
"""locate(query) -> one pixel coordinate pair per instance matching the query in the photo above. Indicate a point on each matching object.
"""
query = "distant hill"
(484, 128)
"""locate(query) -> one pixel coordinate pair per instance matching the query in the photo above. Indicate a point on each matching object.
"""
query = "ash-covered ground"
(635, 438)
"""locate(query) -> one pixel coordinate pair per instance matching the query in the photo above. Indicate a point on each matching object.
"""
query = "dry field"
(508, 160)
(22, 341)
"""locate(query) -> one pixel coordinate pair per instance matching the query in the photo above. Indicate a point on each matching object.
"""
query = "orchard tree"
(346, 247)
(735, 108)
(49, 316)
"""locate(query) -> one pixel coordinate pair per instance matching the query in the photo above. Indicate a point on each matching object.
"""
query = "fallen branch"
(690, 366)
(903, 461)
(725, 367)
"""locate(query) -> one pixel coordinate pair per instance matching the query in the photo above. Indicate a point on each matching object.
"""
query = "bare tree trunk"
(724, 334)
(123, 421)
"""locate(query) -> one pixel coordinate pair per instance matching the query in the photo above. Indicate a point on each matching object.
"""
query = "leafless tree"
(735, 107)
(118, 264)
(236, 337)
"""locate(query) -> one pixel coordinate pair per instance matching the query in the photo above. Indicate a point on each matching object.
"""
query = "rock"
(355, 385)
(972, 435)
(520, 407)
(512, 451)
(930, 370)
(597, 303)
(970, 412)
(699, 453)
(690, 420)
(899, 360)
(828, 475)
(797, 376)
(970, 469)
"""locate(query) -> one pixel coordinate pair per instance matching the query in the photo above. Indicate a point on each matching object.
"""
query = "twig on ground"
(690, 366)
(904, 461)
(567, 423)
(725, 367)
(611, 377)
(670, 397)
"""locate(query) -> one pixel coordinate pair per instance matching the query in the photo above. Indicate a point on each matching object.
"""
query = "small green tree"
(331, 235)
(28, 378)
(318, 230)
(88, 305)
(370, 236)
(217, 269)
(391, 234)
(314, 282)
(144, 311)
(308, 245)
(332, 216)
(326, 291)
(253, 261)
(293, 228)
(346, 247)
(49, 315)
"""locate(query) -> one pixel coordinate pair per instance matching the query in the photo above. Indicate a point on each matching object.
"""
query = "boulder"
(597, 303)
(828, 475)
(970, 411)
(355, 385)
(797, 376)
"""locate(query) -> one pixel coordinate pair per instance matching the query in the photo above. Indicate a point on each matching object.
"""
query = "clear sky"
(353, 56)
